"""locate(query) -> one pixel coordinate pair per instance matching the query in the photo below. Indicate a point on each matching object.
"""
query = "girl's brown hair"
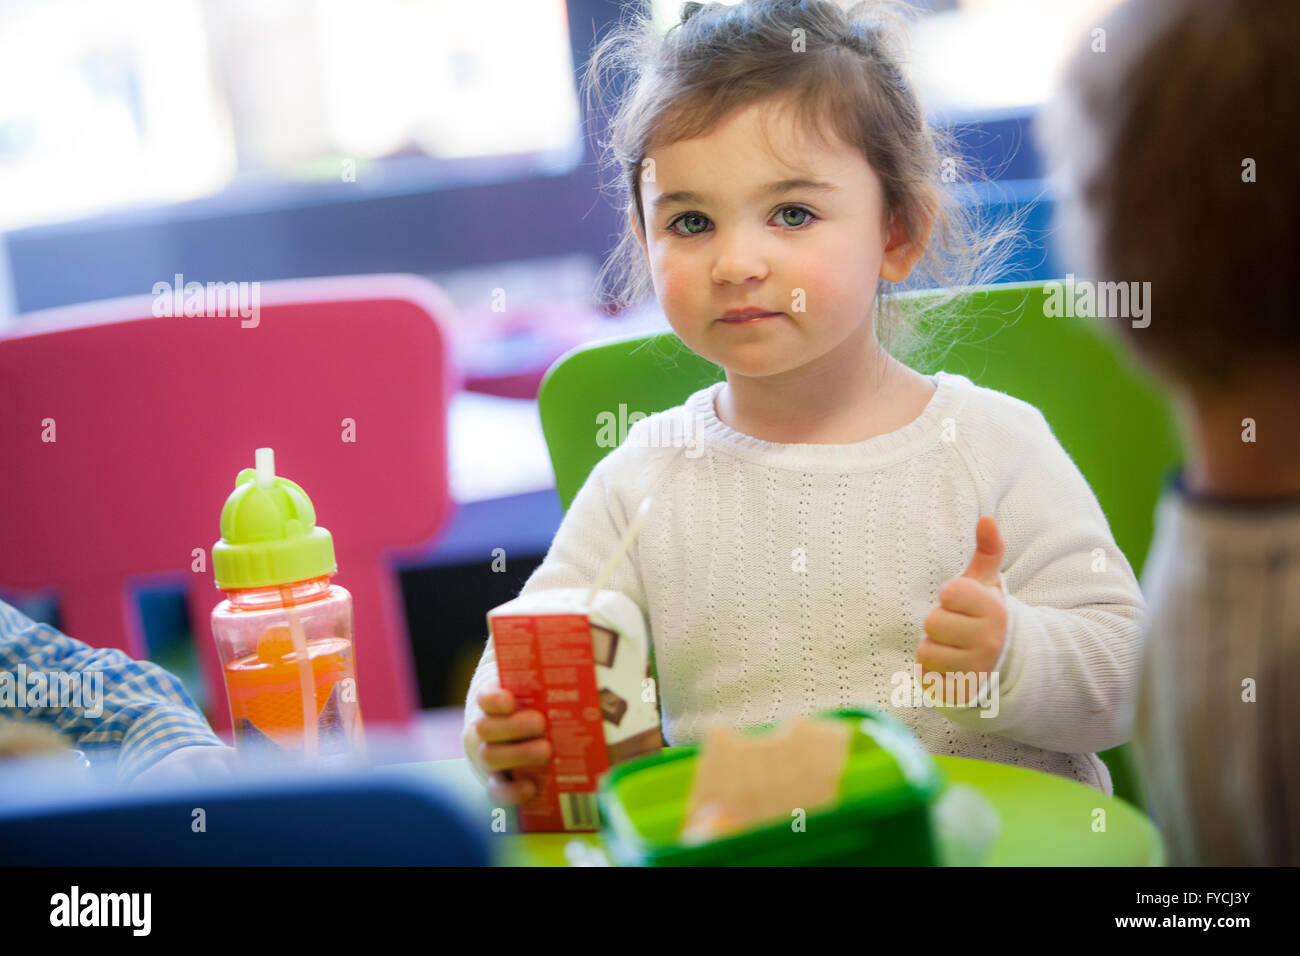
(842, 72)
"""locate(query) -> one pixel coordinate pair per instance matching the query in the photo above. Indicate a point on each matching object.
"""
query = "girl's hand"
(967, 631)
(511, 740)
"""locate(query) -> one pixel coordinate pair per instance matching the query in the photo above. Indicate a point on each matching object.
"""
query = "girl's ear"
(902, 252)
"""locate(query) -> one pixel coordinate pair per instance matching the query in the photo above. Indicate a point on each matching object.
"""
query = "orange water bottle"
(284, 632)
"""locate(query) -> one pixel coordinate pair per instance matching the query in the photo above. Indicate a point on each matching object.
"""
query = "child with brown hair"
(846, 524)
(1176, 150)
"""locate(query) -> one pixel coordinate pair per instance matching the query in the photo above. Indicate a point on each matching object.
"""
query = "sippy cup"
(284, 633)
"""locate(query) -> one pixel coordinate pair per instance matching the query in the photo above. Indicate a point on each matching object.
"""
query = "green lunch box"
(882, 816)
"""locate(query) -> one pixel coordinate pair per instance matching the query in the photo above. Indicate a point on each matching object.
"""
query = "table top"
(1044, 820)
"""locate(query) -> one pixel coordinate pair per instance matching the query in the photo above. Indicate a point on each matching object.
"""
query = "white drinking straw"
(629, 536)
(264, 461)
(306, 676)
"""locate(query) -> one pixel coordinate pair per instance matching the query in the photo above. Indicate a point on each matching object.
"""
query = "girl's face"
(723, 231)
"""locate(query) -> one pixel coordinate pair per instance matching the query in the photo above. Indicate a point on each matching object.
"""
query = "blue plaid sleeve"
(105, 703)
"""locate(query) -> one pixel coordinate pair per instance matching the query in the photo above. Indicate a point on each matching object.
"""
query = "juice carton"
(586, 668)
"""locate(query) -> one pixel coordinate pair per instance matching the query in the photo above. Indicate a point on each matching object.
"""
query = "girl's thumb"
(986, 563)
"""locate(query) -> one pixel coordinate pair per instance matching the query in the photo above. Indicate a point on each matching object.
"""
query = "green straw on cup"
(629, 536)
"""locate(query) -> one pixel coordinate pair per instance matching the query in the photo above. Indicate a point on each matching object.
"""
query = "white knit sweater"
(783, 579)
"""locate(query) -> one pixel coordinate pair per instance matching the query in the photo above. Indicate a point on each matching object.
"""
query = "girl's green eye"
(691, 215)
(796, 209)
(782, 214)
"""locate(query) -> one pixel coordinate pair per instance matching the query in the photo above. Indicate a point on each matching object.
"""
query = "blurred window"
(981, 55)
(109, 104)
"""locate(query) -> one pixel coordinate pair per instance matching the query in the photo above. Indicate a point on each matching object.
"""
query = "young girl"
(829, 527)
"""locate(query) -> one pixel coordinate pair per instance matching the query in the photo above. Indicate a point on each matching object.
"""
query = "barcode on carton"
(579, 810)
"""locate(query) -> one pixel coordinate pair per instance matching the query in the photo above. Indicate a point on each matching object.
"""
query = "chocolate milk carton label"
(585, 669)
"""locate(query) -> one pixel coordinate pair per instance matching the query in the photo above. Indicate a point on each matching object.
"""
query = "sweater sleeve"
(587, 536)
(1069, 668)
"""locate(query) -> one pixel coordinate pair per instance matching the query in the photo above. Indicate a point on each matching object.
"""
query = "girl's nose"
(739, 258)
(739, 268)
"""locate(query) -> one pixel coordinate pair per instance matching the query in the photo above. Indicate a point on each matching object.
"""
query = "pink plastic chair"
(153, 417)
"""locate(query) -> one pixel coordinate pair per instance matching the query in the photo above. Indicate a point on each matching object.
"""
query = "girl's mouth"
(751, 319)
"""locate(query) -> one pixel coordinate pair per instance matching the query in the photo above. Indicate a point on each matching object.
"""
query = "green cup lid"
(268, 532)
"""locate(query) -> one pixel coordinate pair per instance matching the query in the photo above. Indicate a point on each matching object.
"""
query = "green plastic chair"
(1111, 417)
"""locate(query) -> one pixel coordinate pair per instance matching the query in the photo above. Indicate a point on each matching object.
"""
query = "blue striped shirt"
(103, 702)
